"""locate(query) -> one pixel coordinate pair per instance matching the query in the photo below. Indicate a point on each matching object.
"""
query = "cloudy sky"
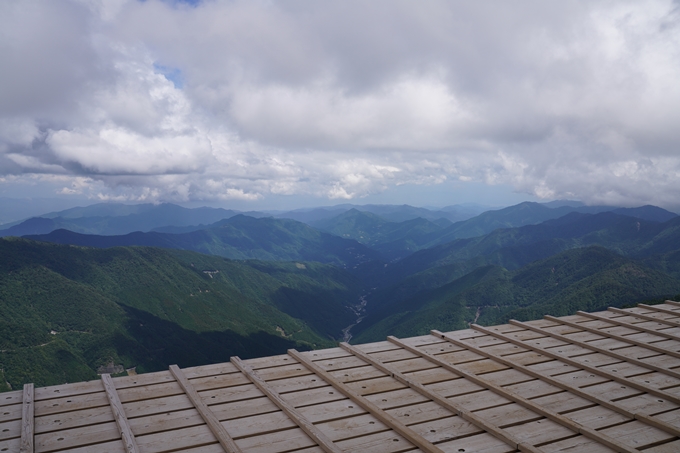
(268, 103)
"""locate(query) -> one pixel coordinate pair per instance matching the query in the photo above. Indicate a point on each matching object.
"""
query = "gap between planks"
(559, 384)
(458, 409)
(585, 345)
(613, 336)
(371, 408)
(644, 316)
(564, 358)
(618, 322)
(512, 396)
(307, 426)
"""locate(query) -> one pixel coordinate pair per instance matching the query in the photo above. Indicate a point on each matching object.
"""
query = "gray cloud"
(242, 100)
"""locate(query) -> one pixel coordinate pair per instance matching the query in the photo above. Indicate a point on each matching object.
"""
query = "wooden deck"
(607, 381)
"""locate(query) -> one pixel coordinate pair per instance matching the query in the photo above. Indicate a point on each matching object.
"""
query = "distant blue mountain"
(390, 213)
(117, 219)
(239, 237)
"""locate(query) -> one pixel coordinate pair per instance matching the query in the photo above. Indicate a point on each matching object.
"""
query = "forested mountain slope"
(513, 217)
(590, 278)
(68, 310)
(516, 247)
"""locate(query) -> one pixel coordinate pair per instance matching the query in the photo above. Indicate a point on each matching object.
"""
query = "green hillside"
(393, 239)
(515, 247)
(590, 279)
(68, 310)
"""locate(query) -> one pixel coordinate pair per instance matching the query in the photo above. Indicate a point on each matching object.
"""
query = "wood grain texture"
(374, 410)
(629, 325)
(308, 427)
(443, 402)
(27, 420)
(129, 442)
(532, 406)
(218, 430)
(563, 357)
(644, 316)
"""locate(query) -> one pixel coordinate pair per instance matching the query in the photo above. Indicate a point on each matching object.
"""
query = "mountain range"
(197, 286)
(239, 237)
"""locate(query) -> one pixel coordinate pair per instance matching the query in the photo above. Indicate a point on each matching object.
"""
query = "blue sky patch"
(172, 74)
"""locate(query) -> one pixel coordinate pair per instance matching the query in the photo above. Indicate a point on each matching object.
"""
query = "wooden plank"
(381, 442)
(512, 396)
(629, 325)
(330, 411)
(75, 389)
(639, 434)
(313, 397)
(448, 428)
(579, 444)
(8, 398)
(126, 435)
(209, 370)
(381, 415)
(278, 441)
(10, 445)
(541, 432)
(76, 437)
(658, 309)
(536, 374)
(307, 426)
(481, 443)
(624, 339)
(597, 417)
(54, 422)
(10, 430)
(258, 425)
(353, 427)
(592, 347)
(71, 403)
(584, 366)
(644, 316)
(574, 389)
(457, 409)
(218, 430)
(138, 380)
(27, 419)
(176, 440)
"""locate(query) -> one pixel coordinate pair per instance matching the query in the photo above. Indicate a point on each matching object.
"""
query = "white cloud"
(240, 100)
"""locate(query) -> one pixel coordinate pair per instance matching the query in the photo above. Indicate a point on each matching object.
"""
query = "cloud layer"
(240, 100)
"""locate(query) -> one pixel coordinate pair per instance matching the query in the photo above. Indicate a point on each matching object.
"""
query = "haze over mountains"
(144, 286)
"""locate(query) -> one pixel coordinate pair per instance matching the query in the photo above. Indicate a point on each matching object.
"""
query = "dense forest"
(200, 289)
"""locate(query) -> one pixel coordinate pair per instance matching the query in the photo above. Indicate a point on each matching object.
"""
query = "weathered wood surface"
(493, 429)
(598, 343)
(27, 420)
(207, 415)
(290, 412)
(524, 407)
(356, 396)
(590, 382)
(591, 363)
(129, 442)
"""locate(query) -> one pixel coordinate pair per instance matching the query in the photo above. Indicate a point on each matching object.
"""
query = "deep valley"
(119, 288)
